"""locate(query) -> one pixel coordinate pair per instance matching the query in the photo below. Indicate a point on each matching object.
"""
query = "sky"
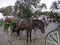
(4, 3)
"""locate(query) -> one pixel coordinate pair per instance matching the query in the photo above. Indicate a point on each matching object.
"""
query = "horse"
(23, 24)
(40, 25)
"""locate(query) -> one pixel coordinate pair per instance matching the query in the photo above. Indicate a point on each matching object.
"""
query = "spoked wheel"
(53, 38)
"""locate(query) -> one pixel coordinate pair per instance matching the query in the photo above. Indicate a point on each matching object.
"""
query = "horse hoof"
(34, 38)
(18, 38)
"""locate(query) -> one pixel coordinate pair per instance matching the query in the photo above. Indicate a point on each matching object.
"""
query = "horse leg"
(27, 35)
(35, 33)
(18, 31)
(42, 31)
(43, 34)
(13, 29)
(30, 35)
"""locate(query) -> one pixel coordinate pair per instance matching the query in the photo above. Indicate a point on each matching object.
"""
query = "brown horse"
(23, 24)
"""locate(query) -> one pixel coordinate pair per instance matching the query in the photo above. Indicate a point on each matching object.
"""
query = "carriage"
(53, 36)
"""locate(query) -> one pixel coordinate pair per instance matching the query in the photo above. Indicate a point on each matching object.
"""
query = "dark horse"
(39, 24)
(24, 24)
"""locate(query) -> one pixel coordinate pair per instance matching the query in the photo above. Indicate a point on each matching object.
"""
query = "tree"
(44, 5)
(1, 9)
(51, 14)
(38, 13)
(7, 10)
(17, 5)
(54, 6)
(24, 10)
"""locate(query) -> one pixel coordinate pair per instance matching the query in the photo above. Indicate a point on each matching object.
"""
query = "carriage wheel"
(53, 38)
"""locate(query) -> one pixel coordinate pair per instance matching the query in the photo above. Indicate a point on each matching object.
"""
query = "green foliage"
(51, 14)
(55, 5)
(3, 25)
(55, 16)
(27, 13)
(23, 12)
(13, 21)
(38, 13)
(1, 10)
(7, 10)
(6, 25)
